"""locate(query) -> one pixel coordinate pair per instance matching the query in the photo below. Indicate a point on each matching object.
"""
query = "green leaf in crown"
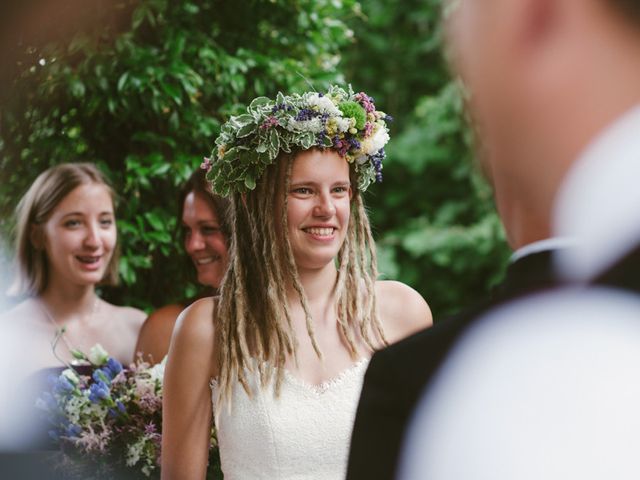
(340, 119)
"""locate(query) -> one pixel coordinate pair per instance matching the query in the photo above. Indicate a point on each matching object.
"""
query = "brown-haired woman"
(66, 244)
(204, 234)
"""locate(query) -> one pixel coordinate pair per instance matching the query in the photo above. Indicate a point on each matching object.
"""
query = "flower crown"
(338, 119)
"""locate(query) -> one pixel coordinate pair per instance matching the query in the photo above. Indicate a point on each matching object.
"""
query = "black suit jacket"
(624, 274)
(397, 375)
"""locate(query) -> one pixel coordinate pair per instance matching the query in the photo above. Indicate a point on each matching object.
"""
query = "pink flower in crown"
(366, 101)
(271, 121)
(368, 129)
(207, 164)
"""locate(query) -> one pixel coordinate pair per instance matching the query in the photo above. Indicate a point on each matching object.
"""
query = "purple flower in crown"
(376, 160)
(207, 164)
(342, 146)
(306, 114)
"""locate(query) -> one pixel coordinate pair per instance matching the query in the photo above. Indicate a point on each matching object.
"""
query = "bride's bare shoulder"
(193, 340)
(402, 310)
(197, 320)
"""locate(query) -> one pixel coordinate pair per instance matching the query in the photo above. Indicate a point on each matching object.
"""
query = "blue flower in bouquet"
(62, 385)
(119, 409)
(99, 391)
(113, 366)
(47, 402)
(73, 430)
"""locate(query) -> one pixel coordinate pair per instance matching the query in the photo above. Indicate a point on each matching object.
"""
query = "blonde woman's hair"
(253, 320)
(34, 209)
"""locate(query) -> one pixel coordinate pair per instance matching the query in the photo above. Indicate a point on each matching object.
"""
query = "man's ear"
(538, 20)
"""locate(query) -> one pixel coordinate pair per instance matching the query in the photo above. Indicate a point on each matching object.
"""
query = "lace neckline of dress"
(318, 388)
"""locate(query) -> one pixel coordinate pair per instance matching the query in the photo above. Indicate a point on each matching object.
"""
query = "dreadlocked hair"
(253, 319)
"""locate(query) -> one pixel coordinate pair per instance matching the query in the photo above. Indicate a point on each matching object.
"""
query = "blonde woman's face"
(319, 207)
(80, 236)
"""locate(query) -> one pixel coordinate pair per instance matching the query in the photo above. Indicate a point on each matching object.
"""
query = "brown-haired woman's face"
(204, 241)
(80, 236)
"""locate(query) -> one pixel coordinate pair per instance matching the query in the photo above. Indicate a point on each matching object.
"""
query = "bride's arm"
(186, 408)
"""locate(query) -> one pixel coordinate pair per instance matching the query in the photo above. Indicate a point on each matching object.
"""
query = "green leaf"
(77, 88)
(250, 182)
(259, 102)
(274, 140)
(154, 220)
(172, 92)
(242, 120)
(246, 130)
(122, 81)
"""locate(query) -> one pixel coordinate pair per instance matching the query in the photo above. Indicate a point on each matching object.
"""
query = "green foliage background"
(143, 95)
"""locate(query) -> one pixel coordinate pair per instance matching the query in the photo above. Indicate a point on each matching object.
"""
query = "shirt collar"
(599, 201)
(549, 244)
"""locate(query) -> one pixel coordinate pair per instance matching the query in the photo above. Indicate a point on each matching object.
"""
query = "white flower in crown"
(361, 159)
(323, 104)
(314, 125)
(377, 140)
(342, 124)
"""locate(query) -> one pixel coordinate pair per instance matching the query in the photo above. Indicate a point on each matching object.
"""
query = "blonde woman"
(66, 244)
(282, 352)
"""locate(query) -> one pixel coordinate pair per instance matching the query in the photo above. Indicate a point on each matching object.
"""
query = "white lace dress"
(304, 433)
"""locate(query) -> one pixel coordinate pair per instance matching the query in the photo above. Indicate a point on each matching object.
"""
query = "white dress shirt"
(599, 201)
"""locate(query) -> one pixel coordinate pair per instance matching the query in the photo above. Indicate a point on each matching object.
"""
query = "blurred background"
(141, 87)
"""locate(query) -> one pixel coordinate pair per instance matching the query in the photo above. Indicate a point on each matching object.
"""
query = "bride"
(282, 352)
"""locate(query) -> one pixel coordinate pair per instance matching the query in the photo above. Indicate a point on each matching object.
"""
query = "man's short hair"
(629, 8)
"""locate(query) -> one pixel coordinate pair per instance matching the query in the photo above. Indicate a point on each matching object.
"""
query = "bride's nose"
(324, 205)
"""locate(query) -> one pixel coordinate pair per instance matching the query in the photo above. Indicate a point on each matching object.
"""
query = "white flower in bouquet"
(98, 355)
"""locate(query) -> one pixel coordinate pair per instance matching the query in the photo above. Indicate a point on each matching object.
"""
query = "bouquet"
(107, 420)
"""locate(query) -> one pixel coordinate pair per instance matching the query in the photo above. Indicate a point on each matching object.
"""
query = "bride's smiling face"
(319, 207)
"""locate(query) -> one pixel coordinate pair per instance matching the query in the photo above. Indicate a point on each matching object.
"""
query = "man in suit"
(546, 79)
